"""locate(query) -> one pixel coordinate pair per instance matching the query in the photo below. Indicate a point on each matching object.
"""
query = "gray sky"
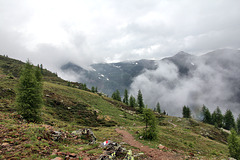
(53, 32)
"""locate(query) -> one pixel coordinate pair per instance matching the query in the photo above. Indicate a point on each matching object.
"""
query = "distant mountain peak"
(182, 54)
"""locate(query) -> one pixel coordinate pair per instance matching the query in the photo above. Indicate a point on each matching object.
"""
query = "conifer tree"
(158, 108)
(125, 99)
(229, 121)
(132, 101)
(150, 131)
(164, 112)
(29, 94)
(116, 95)
(217, 118)
(238, 124)
(207, 117)
(140, 101)
(186, 112)
(41, 68)
(93, 89)
(234, 145)
(84, 87)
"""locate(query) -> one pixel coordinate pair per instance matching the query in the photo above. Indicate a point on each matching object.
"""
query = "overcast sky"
(53, 32)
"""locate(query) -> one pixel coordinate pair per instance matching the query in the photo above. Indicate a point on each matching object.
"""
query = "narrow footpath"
(153, 154)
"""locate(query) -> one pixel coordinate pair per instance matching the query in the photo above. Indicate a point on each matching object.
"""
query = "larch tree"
(238, 124)
(29, 94)
(217, 118)
(150, 131)
(234, 145)
(140, 101)
(207, 117)
(158, 108)
(229, 121)
(125, 98)
(132, 101)
(186, 112)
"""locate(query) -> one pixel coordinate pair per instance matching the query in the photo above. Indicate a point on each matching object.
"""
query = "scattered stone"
(5, 144)
(56, 135)
(160, 146)
(87, 132)
(54, 152)
(114, 150)
(191, 154)
(73, 155)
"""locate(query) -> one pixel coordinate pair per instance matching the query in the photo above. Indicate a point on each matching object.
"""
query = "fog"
(209, 85)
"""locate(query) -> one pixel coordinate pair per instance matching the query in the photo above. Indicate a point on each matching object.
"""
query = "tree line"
(219, 120)
(130, 101)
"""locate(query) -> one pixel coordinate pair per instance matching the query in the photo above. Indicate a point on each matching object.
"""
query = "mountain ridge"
(184, 61)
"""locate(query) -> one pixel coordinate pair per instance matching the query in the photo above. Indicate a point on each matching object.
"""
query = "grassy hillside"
(68, 108)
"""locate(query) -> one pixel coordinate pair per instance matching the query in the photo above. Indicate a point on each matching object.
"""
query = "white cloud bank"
(54, 32)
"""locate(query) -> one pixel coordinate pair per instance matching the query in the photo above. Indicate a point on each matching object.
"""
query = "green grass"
(186, 138)
(67, 109)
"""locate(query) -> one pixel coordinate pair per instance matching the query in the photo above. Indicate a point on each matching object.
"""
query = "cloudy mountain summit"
(212, 79)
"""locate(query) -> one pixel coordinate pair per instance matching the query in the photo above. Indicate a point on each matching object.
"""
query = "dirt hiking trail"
(153, 154)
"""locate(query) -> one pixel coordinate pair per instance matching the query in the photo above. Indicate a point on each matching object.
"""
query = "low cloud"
(86, 32)
(206, 85)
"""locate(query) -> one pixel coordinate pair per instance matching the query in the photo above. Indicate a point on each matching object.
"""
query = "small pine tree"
(41, 68)
(116, 95)
(69, 84)
(84, 87)
(140, 101)
(158, 108)
(29, 94)
(234, 145)
(238, 124)
(207, 117)
(125, 99)
(93, 89)
(217, 118)
(186, 112)
(229, 121)
(150, 132)
(164, 112)
(132, 101)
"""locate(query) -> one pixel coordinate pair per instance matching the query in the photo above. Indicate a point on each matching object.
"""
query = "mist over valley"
(212, 79)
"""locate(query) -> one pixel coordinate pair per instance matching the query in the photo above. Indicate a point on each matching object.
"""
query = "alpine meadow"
(119, 80)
